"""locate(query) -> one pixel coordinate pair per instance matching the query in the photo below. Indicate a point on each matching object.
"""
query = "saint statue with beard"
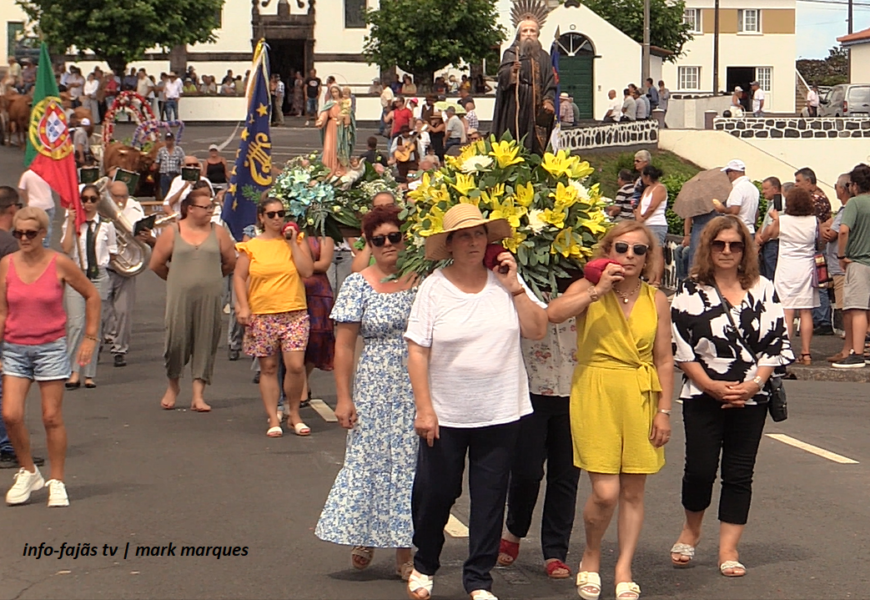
(525, 99)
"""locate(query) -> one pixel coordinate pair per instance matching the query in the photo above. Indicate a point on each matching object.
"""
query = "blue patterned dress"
(370, 501)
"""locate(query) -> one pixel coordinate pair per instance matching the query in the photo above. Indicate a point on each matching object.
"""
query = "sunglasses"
(271, 214)
(29, 234)
(394, 236)
(622, 248)
(193, 165)
(719, 246)
(90, 199)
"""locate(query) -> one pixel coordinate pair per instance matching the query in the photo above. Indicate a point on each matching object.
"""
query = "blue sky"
(819, 25)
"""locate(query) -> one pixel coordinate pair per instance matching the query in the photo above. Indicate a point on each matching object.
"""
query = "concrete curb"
(828, 373)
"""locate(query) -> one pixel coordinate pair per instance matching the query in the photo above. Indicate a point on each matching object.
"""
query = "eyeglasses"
(379, 240)
(90, 199)
(271, 214)
(719, 246)
(207, 207)
(622, 248)
(29, 234)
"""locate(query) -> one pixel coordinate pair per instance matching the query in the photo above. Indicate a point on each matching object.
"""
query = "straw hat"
(464, 216)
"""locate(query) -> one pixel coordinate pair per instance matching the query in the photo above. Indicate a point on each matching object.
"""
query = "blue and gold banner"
(252, 172)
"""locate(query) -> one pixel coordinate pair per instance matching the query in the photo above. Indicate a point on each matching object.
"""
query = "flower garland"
(556, 219)
(324, 203)
(131, 103)
(150, 129)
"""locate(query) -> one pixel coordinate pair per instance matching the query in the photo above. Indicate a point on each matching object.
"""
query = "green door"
(576, 74)
(575, 78)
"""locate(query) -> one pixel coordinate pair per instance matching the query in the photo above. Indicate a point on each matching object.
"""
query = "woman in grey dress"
(201, 254)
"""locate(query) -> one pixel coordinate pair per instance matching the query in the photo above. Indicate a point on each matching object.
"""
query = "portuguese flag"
(49, 144)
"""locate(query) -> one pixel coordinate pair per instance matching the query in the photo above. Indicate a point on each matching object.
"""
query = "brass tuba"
(133, 255)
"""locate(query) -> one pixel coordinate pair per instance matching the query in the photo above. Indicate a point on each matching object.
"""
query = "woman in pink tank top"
(33, 325)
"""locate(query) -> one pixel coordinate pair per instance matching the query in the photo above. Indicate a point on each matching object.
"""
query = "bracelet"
(91, 337)
(519, 292)
(593, 294)
(841, 258)
(665, 411)
(759, 382)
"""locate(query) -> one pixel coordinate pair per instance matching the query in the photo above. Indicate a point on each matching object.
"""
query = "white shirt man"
(34, 191)
(614, 108)
(743, 199)
(182, 188)
(143, 84)
(757, 100)
(173, 88)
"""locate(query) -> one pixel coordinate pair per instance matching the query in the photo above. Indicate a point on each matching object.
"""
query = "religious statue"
(338, 131)
(526, 95)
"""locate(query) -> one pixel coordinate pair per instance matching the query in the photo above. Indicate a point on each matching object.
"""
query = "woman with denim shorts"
(33, 323)
(270, 303)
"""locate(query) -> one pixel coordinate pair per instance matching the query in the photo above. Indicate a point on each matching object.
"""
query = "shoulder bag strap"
(727, 306)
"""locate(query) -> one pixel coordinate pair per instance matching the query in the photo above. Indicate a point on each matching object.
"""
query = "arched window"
(575, 44)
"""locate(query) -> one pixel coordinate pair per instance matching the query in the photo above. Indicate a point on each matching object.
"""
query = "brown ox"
(19, 116)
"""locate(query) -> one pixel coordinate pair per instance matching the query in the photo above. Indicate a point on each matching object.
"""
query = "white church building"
(756, 42)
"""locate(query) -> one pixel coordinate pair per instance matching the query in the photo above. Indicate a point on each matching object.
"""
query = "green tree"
(120, 31)
(667, 29)
(423, 36)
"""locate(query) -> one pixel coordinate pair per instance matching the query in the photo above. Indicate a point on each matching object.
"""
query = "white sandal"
(482, 595)
(732, 565)
(685, 551)
(420, 586)
(627, 590)
(588, 579)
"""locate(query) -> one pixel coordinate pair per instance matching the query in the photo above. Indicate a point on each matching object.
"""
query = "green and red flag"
(50, 152)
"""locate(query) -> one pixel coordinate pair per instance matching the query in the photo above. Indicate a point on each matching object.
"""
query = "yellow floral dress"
(615, 390)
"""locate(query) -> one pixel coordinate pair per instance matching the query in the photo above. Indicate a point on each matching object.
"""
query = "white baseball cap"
(86, 122)
(735, 165)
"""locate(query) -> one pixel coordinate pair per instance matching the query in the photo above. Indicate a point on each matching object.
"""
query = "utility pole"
(716, 48)
(850, 16)
(645, 66)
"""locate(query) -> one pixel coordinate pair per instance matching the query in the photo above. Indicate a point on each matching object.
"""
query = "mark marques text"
(81, 550)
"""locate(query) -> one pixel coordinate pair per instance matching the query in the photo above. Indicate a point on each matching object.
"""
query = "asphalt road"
(146, 477)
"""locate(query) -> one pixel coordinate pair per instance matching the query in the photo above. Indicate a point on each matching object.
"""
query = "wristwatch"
(593, 293)
(758, 381)
(665, 411)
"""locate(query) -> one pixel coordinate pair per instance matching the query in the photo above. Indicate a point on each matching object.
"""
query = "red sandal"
(508, 552)
(556, 565)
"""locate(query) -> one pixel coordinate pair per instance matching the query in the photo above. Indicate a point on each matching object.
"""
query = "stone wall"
(639, 133)
(794, 127)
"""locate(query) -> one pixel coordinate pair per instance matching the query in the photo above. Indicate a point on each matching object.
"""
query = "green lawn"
(607, 166)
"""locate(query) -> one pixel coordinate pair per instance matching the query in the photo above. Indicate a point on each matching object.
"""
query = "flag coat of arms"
(252, 172)
(49, 151)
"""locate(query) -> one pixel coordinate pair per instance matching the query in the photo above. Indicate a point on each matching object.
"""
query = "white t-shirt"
(143, 86)
(757, 98)
(175, 186)
(615, 108)
(172, 90)
(91, 88)
(745, 195)
(38, 191)
(477, 377)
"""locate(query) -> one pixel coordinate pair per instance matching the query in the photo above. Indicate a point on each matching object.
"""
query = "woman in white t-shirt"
(651, 212)
(470, 390)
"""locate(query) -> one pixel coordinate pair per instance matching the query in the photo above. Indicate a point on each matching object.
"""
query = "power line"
(836, 2)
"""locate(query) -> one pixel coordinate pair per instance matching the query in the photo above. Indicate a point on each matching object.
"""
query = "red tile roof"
(855, 38)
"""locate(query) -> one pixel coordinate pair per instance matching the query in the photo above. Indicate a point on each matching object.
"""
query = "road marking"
(229, 139)
(323, 410)
(455, 528)
(785, 439)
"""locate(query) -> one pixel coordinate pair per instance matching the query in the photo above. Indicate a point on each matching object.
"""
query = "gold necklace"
(626, 297)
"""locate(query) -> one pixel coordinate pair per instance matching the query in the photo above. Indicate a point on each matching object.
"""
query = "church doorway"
(576, 71)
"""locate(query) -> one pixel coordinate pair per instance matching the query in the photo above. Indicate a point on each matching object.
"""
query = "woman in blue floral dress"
(369, 505)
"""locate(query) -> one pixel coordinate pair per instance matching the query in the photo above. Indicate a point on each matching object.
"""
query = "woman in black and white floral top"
(724, 396)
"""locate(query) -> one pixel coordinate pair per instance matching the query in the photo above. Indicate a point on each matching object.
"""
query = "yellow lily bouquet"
(556, 220)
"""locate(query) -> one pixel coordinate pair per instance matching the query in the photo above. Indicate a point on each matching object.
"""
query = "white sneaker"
(57, 493)
(25, 483)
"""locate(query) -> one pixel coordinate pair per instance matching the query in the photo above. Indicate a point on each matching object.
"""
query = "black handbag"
(777, 404)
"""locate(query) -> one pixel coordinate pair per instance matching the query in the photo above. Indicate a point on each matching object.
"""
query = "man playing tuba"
(118, 308)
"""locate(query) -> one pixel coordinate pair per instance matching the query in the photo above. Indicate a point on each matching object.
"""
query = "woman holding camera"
(270, 303)
(730, 335)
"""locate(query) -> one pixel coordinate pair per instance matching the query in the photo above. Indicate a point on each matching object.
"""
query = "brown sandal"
(806, 359)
